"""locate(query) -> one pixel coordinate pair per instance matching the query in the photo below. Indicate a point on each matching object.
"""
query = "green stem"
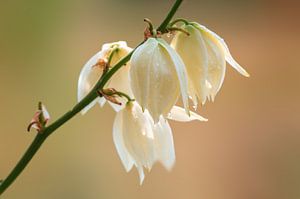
(179, 29)
(113, 51)
(177, 21)
(121, 94)
(165, 23)
(92, 95)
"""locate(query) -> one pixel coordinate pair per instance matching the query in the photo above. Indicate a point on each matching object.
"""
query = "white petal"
(102, 101)
(120, 80)
(181, 73)
(121, 44)
(192, 50)
(89, 76)
(141, 174)
(45, 112)
(139, 85)
(119, 143)
(225, 48)
(138, 135)
(216, 66)
(152, 77)
(178, 114)
(164, 144)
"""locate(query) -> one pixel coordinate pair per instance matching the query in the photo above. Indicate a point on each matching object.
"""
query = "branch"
(92, 95)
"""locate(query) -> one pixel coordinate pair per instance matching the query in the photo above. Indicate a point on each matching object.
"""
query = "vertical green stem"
(92, 95)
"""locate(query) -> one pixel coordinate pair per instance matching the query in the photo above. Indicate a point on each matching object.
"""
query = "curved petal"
(192, 50)
(139, 78)
(88, 77)
(141, 174)
(90, 74)
(152, 76)
(119, 143)
(216, 66)
(181, 73)
(164, 145)
(102, 101)
(45, 113)
(178, 114)
(120, 80)
(138, 135)
(225, 48)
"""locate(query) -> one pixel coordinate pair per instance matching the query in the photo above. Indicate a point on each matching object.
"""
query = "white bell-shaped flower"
(204, 54)
(91, 73)
(157, 77)
(140, 142)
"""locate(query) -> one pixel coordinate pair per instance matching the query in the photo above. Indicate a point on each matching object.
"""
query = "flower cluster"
(192, 67)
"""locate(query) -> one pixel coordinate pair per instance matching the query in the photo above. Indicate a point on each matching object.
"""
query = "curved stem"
(149, 22)
(179, 29)
(177, 21)
(92, 95)
(121, 94)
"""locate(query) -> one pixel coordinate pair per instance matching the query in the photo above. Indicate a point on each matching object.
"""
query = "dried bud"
(110, 94)
(40, 118)
(102, 64)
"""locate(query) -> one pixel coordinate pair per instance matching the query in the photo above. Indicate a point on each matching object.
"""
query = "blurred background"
(250, 148)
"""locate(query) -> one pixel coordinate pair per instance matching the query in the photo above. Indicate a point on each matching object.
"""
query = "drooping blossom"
(157, 77)
(204, 54)
(140, 142)
(93, 70)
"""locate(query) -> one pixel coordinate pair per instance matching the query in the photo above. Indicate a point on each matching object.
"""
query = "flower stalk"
(92, 95)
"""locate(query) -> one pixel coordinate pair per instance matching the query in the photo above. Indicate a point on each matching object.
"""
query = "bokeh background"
(250, 148)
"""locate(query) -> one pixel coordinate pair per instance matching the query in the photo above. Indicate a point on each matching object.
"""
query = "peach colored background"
(249, 149)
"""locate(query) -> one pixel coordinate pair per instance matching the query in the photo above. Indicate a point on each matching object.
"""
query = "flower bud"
(40, 118)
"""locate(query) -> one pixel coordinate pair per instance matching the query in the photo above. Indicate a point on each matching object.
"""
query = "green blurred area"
(250, 148)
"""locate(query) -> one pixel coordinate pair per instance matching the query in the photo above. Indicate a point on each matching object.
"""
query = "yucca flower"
(141, 143)
(204, 54)
(93, 69)
(157, 77)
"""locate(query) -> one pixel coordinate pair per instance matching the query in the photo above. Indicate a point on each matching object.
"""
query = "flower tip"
(199, 118)
(169, 167)
(141, 175)
(204, 119)
(246, 74)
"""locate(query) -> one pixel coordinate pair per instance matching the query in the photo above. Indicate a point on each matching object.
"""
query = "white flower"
(91, 72)
(204, 54)
(157, 76)
(140, 142)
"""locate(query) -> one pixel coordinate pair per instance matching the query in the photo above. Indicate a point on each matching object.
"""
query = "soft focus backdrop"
(250, 148)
